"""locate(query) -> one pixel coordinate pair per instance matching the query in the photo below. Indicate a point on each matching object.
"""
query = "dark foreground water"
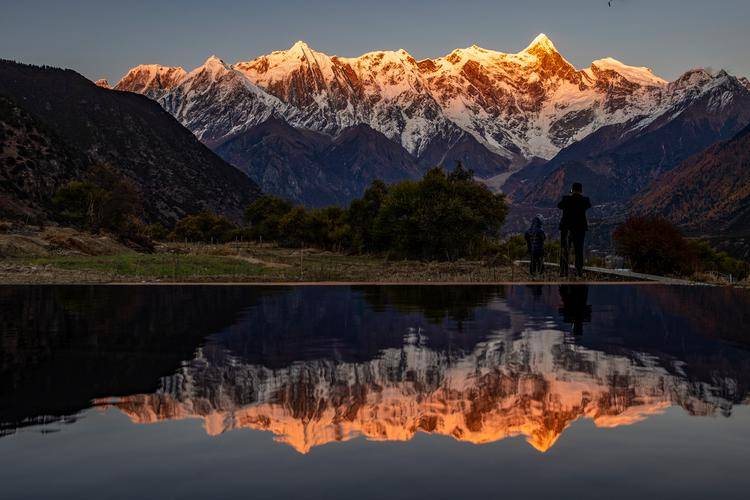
(374, 392)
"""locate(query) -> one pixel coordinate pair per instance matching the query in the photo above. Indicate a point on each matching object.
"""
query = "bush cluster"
(204, 227)
(103, 200)
(655, 246)
(443, 216)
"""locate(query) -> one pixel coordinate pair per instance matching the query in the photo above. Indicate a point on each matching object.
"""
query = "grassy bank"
(152, 266)
(245, 262)
(62, 255)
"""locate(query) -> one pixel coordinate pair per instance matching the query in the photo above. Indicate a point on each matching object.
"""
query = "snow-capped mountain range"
(518, 105)
(496, 111)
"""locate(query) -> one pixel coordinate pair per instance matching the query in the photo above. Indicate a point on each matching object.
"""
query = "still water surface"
(371, 392)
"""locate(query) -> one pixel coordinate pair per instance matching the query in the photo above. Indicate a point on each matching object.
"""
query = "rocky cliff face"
(151, 80)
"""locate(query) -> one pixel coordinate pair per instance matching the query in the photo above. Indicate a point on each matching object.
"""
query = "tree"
(443, 217)
(119, 203)
(361, 215)
(329, 229)
(203, 227)
(103, 200)
(264, 216)
(655, 246)
(75, 203)
(396, 225)
(295, 227)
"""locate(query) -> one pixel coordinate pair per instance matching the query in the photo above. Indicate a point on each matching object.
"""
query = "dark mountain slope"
(362, 154)
(312, 168)
(462, 146)
(174, 171)
(709, 193)
(33, 163)
(283, 160)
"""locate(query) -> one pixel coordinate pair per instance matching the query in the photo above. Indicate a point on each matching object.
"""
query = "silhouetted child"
(535, 237)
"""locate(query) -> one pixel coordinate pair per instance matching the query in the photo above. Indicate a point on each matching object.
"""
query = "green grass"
(155, 265)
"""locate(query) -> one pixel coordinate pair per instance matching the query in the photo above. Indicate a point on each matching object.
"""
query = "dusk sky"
(103, 38)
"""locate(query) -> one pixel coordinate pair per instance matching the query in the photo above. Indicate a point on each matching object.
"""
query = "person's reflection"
(536, 291)
(575, 308)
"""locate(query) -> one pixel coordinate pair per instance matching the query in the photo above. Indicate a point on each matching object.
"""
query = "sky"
(103, 38)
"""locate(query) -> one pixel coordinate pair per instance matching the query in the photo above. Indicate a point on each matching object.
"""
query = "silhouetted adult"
(573, 227)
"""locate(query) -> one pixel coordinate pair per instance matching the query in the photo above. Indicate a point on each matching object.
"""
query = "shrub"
(156, 232)
(134, 234)
(512, 249)
(711, 260)
(655, 246)
(203, 227)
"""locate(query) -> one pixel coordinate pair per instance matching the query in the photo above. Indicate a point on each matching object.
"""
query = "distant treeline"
(443, 216)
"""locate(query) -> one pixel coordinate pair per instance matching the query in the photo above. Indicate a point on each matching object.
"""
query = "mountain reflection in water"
(314, 365)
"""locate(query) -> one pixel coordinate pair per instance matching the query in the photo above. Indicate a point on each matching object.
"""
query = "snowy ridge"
(152, 80)
(216, 101)
(521, 105)
(696, 84)
(642, 76)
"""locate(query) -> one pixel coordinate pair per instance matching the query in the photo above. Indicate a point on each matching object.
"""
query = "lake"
(607, 391)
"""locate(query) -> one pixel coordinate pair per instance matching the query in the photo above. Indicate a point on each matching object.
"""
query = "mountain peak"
(300, 46)
(541, 43)
(214, 62)
(213, 58)
(696, 77)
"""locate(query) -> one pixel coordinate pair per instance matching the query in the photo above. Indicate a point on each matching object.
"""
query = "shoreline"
(62, 256)
(350, 283)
